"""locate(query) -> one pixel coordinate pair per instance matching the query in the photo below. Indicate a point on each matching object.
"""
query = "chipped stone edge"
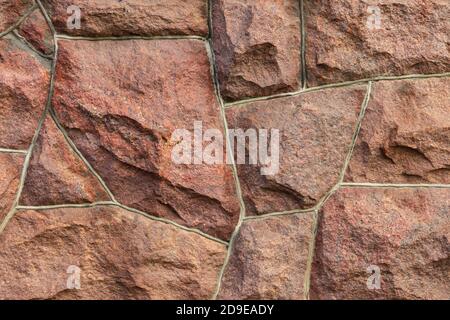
(119, 205)
(27, 13)
(242, 103)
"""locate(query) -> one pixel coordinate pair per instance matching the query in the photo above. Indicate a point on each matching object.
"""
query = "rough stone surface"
(56, 175)
(11, 11)
(132, 17)
(10, 170)
(36, 31)
(269, 259)
(405, 232)
(405, 135)
(413, 38)
(120, 255)
(257, 47)
(315, 132)
(24, 80)
(121, 114)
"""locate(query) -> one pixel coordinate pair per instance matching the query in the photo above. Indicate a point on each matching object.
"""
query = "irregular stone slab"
(340, 46)
(269, 259)
(256, 46)
(36, 31)
(120, 102)
(315, 133)
(24, 81)
(131, 17)
(116, 253)
(10, 171)
(56, 175)
(11, 11)
(403, 232)
(405, 135)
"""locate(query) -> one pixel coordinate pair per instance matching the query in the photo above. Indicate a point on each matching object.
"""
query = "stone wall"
(92, 205)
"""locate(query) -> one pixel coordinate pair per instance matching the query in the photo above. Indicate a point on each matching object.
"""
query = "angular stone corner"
(10, 171)
(11, 11)
(115, 253)
(257, 47)
(122, 113)
(345, 40)
(56, 175)
(37, 32)
(24, 82)
(269, 259)
(130, 17)
(315, 131)
(405, 135)
(401, 233)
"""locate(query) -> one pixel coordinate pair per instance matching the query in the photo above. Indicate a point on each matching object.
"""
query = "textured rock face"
(56, 175)
(405, 135)
(269, 259)
(121, 116)
(37, 32)
(405, 232)
(11, 11)
(24, 80)
(412, 38)
(257, 47)
(315, 132)
(131, 17)
(120, 255)
(10, 169)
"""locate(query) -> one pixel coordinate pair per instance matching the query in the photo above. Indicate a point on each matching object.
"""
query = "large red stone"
(269, 259)
(256, 46)
(315, 133)
(10, 170)
(405, 135)
(120, 102)
(56, 175)
(131, 17)
(403, 232)
(116, 253)
(412, 39)
(24, 81)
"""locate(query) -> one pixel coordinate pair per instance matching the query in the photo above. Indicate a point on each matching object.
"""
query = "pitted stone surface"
(116, 253)
(403, 232)
(121, 114)
(269, 259)
(315, 131)
(56, 175)
(405, 135)
(256, 46)
(412, 39)
(24, 81)
(130, 17)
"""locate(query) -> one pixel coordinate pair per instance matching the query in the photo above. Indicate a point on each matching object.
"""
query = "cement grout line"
(119, 205)
(29, 45)
(211, 56)
(242, 103)
(124, 38)
(279, 214)
(303, 45)
(80, 155)
(21, 19)
(392, 185)
(359, 121)
(310, 259)
(3, 150)
(26, 163)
